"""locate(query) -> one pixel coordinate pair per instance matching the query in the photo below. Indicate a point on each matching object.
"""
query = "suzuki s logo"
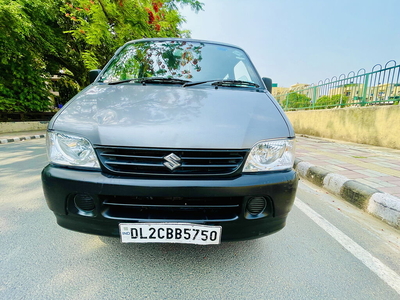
(172, 161)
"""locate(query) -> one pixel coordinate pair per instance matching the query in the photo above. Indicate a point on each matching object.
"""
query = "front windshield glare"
(185, 60)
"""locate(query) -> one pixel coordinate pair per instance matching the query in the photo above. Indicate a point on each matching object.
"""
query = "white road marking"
(374, 264)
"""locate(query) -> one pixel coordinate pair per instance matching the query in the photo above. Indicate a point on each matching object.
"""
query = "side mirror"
(268, 83)
(93, 75)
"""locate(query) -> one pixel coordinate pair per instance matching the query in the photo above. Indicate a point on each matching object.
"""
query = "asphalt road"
(328, 250)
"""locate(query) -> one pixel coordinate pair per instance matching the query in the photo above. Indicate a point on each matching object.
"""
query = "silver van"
(174, 141)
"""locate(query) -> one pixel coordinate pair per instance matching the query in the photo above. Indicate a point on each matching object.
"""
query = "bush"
(10, 105)
(330, 102)
(296, 100)
(23, 87)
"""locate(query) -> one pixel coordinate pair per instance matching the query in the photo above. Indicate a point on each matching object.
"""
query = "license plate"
(182, 233)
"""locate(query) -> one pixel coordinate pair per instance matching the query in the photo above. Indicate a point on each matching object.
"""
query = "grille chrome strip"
(147, 161)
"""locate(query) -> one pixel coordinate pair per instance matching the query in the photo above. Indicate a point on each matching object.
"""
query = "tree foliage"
(69, 37)
(23, 72)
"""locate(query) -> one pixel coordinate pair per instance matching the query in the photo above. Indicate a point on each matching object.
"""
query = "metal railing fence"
(24, 117)
(378, 87)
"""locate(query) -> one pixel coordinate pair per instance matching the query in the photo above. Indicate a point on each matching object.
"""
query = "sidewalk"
(367, 176)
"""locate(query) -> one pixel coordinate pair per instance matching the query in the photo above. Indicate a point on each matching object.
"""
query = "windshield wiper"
(119, 81)
(145, 80)
(235, 83)
(200, 82)
(224, 83)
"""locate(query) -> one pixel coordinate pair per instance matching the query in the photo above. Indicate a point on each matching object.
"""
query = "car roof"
(180, 40)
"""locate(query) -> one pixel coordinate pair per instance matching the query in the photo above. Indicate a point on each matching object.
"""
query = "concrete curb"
(382, 205)
(24, 138)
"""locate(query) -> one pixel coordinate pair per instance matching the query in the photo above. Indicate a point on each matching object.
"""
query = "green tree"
(42, 37)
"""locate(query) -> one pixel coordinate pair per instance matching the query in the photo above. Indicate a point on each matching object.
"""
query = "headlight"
(70, 150)
(271, 155)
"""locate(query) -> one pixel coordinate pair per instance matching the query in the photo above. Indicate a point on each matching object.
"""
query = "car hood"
(160, 116)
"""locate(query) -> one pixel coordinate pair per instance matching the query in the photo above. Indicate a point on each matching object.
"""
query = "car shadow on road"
(199, 259)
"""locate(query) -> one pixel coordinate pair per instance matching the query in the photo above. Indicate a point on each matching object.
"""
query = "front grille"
(144, 161)
(215, 209)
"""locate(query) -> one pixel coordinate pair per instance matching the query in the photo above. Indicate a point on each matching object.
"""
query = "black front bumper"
(116, 201)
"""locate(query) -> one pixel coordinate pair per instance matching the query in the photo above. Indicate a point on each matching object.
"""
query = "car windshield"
(178, 59)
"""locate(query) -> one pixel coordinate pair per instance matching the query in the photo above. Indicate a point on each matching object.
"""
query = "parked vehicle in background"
(175, 141)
